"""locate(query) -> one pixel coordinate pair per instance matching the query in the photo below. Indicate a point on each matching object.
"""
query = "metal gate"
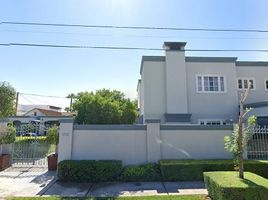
(258, 144)
(30, 148)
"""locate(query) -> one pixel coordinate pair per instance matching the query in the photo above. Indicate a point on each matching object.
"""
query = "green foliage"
(231, 141)
(104, 107)
(31, 139)
(192, 170)
(89, 170)
(7, 100)
(146, 172)
(9, 136)
(227, 186)
(53, 135)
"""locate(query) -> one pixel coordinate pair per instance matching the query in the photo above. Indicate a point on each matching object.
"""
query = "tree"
(7, 100)
(53, 136)
(104, 107)
(237, 143)
(71, 97)
(7, 136)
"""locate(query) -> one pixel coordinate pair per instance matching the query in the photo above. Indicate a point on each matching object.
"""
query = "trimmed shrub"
(228, 186)
(192, 170)
(53, 135)
(89, 170)
(146, 172)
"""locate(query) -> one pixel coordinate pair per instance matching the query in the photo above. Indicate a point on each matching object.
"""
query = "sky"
(59, 72)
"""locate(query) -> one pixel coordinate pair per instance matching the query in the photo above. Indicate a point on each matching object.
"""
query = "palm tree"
(71, 97)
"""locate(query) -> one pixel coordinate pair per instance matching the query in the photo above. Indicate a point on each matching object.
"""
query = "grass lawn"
(177, 197)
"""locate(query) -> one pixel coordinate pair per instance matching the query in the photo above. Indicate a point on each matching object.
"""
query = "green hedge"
(146, 172)
(227, 186)
(30, 139)
(89, 170)
(166, 170)
(192, 170)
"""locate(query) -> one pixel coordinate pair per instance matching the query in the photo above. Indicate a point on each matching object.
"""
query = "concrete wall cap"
(148, 121)
(196, 127)
(68, 120)
(110, 127)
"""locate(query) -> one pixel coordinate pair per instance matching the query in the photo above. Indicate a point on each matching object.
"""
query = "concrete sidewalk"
(40, 182)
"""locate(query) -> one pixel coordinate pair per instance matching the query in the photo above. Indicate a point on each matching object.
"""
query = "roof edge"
(210, 59)
(251, 63)
(151, 58)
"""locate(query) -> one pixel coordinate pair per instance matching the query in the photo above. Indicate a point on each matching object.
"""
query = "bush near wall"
(146, 172)
(227, 186)
(89, 170)
(31, 139)
(192, 170)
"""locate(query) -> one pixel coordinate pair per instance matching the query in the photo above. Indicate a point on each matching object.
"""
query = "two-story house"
(199, 90)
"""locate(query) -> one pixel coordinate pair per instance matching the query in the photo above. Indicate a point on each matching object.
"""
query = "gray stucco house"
(199, 90)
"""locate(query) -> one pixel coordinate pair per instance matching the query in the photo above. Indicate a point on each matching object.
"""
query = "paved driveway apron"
(40, 182)
(26, 181)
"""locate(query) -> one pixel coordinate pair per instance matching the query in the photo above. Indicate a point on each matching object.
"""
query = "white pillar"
(153, 140)
(65, 139)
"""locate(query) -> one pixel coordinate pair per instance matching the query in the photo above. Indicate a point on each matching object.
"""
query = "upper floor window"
(266, 84)
(243, 83)
(210, 83)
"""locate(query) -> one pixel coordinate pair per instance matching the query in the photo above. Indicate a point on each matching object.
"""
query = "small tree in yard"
(53, 136)
(7, 136)
(237, 143)
(7, 100)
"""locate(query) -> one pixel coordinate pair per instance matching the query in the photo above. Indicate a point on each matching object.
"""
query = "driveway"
(25, 181)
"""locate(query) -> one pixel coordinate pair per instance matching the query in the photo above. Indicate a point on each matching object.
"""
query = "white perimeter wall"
(193, 144)
(138, 146)
(126, 145)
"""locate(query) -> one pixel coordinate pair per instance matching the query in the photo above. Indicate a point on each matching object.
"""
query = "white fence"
(136, 144)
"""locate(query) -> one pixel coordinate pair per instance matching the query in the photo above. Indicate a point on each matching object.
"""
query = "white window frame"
(266, 79)
(211, 75)
(246, 78)
(211, 120)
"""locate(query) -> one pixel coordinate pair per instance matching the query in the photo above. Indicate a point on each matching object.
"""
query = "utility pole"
(71, 103)
(17, 103)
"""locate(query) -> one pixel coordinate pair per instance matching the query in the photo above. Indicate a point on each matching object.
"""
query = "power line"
(134, 35)
(125, 48)
(40, 95)
(134, 27)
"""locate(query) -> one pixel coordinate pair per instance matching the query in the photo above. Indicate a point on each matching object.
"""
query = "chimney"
(175, 46)
(176, 80)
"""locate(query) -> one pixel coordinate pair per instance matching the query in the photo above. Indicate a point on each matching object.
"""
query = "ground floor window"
(262, 121)
(212, 122)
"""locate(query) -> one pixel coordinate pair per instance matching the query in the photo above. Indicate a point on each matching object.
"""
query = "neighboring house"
(42, 112)
(42, 118)
(199, 90)
(22, 109)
